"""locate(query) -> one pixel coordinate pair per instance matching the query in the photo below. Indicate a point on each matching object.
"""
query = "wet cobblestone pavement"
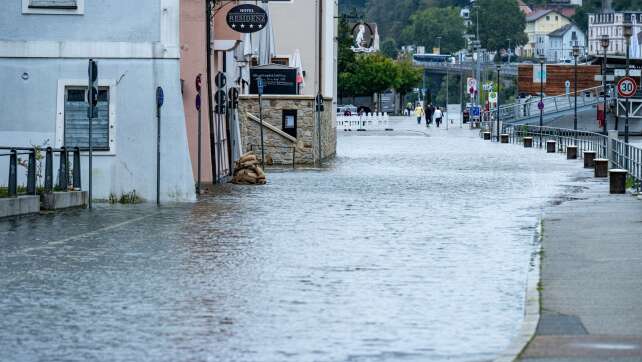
(412, 245)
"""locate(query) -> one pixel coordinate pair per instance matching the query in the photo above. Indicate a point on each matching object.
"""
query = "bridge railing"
(528, 109)
(620, 154)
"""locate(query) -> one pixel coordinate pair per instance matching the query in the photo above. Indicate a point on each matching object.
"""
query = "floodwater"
(412, 245)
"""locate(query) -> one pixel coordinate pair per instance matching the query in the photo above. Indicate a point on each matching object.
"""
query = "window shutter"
(55, 4)
(77, 124)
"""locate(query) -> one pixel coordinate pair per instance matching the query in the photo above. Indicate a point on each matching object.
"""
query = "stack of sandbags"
(247, 171)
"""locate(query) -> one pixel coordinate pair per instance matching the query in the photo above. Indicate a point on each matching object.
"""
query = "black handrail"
(63, 169)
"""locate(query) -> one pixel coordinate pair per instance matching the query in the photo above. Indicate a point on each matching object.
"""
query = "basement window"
(55, 7)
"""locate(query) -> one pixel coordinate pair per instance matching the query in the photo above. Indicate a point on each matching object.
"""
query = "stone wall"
(279, 146)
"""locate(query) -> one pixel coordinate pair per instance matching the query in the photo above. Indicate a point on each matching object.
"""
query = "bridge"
(508, 69)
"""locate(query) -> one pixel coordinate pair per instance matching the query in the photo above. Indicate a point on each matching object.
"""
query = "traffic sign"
(160, 97)
(260, 85)
(476, 111)
(198, 83)
(627, 87)
(198, 102)
(472, 85)
(220, 80)
(540, 105)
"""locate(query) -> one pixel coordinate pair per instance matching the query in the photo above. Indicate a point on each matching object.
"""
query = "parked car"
(346, 108)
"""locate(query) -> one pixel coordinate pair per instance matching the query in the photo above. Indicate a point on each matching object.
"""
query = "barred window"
(53, 4)
(77, 122)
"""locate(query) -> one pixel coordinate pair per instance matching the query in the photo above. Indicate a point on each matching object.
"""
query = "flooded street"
(412, 245)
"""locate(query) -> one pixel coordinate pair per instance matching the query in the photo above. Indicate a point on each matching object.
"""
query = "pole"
(498, 70)
(541, 99)
(626, 114)
(208, 47)
(90, 120)
(461, 101)
(447, 89)
(320, 72)
(604, 128)
(158, 157)
(508, 50)
(575, 94)
(261, 121)
(200, 146)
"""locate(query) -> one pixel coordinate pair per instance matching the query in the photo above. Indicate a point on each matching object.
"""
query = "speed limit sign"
(627, 87)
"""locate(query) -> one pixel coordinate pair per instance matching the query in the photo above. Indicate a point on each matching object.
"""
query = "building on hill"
(538, 25)
(612, 24)
(561, 41)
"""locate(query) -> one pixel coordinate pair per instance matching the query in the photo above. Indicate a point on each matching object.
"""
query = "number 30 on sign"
(627, 87)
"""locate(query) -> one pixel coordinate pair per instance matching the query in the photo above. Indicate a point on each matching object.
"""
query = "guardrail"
(363, 122)
(65, 180)
(619, 154)
(527, 110)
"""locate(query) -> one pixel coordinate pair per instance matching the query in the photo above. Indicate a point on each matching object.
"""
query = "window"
(76, 125)
(556, 18)
(548, 18)
(60, 7)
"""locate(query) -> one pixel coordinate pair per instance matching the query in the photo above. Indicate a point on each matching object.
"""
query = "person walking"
(430, 110)
(438, 116)
(419, 112)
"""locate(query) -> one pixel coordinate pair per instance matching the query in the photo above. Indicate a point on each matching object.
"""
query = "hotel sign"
(247, 18)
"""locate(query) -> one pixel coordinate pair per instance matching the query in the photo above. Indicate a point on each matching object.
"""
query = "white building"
(561, 42)
(44, 50)
(611, 24)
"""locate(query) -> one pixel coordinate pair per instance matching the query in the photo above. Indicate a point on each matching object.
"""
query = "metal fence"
(68, 177)
(620, 155)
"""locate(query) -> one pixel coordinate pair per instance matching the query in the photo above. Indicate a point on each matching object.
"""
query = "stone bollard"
(571, 152)
(589, 158)
(617, 181)
(550, 146)
(504, 137)
(487, 136)
(601, 167)
(528, 142)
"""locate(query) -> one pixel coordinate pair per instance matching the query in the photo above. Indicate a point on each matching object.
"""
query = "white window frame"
(60, 112)
(79, 10)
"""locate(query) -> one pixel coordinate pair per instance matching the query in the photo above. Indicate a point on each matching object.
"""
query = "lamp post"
(576, 53)
(627, 32)
(542, 60)
(439, 44)
(604, 42)
(499, 68)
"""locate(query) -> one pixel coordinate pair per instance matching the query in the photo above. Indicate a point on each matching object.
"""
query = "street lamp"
(439, 44)
(499, 68)
(576, 53)
(542, 60)
(508, 50)
(627, 32)
(604, 42)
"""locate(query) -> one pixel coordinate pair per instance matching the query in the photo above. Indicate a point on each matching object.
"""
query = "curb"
(531, 307)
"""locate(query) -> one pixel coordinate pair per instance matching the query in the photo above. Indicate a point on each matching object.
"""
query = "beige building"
(611, 24)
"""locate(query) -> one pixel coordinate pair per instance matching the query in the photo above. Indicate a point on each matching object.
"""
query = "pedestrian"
(438, 116)
(430, 110)
(419, 112)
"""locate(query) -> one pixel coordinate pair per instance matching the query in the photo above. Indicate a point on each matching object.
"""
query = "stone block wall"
(278, 145)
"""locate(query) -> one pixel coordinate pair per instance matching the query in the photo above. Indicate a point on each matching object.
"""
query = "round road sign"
(198, 83)
(627, 87)
(540, 105)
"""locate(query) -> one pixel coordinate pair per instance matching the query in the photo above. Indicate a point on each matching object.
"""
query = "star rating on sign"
(242, 26)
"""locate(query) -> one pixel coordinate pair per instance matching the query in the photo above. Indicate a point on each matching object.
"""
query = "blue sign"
(198, 102)
(160, 97)
(476, 111)
(260, 85)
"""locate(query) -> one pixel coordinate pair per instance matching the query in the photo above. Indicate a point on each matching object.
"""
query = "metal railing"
(620, 155)
(65, 180)
(527, 110)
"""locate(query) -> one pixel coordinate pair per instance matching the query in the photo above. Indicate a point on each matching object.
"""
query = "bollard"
(550, 146)
(77, 184)
(528, 142)
(504, 138)
(601, 168)
(31, 173)
(49, 170)
(571, 152)
(12, 188)
(617, 181)
(486, 136)
(589, 158)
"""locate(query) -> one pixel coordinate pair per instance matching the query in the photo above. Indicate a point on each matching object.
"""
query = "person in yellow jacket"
(419, 112)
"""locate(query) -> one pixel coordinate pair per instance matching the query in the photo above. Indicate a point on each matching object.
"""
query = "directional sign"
(627, 87)
(476, 111)
(622, 72)
(247, 18)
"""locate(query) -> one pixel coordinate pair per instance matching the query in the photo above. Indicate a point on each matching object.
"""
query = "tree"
(426, 26)
(410, 77)
(493, 33)
(389, 48)
(392, 16)
(373, 73)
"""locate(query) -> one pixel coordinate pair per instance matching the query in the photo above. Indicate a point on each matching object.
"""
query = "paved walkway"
(591, 283)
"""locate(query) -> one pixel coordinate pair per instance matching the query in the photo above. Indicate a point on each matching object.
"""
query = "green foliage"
(125, 198)
(372, 73)
(392, 16)
(493, 32)
(425, 26)
(389, 48)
